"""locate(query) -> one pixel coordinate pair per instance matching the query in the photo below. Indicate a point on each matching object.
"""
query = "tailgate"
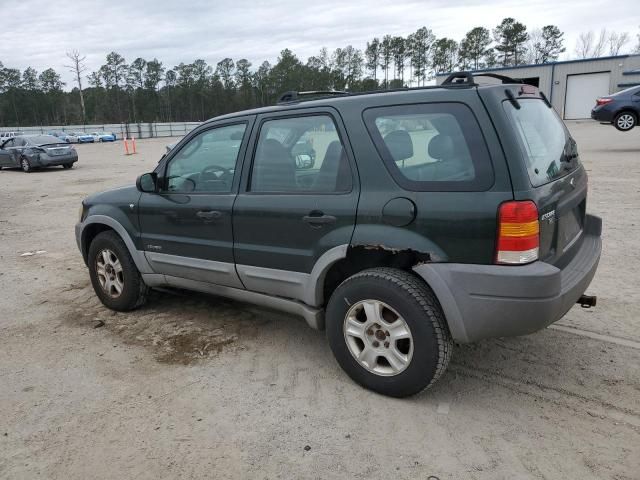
(562, 209)
(557, 180)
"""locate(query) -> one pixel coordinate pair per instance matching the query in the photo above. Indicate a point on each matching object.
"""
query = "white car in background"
(103, 136)
(7, 135)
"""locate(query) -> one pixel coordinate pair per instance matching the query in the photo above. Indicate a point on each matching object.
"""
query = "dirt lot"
(198, 387)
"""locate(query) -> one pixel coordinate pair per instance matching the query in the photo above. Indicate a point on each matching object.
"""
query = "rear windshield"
(548, 149)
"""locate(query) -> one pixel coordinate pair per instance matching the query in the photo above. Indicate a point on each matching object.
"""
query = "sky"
(182, 31)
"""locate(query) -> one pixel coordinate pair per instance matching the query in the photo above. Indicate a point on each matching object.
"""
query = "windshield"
(549, 150)
(42, 139)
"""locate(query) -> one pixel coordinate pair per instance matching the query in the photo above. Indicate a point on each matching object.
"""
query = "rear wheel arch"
(363, 257)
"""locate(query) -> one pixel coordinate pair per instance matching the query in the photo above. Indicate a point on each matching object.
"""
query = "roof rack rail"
(293, 96)
(467, 78)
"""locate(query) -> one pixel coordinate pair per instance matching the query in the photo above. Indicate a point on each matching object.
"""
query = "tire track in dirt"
(558, 396)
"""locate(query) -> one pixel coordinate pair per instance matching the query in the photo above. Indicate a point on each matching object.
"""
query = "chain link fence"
(122, 130)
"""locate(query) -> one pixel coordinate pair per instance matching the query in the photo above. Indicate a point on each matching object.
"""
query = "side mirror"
(147, 182)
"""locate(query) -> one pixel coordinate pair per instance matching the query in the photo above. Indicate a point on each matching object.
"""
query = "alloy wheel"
(110, 273)
(625, 121)
(378, 337)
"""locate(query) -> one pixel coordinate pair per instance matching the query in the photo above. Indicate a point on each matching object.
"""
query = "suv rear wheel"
(387, 331)
(114, 275)
(625, 121)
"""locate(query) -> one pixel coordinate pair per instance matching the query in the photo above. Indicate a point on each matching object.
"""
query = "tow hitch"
(587, 301)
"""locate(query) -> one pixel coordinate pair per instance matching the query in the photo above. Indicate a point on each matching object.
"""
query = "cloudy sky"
(37, 33)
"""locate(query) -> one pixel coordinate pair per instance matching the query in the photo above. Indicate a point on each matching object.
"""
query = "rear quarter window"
(431, 147)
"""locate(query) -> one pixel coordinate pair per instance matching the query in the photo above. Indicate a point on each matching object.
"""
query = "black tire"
(26, 165)
(625, 121)
(134, 293)
(67, 166)
(414, 301)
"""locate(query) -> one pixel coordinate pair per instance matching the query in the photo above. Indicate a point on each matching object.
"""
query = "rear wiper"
(512, 99)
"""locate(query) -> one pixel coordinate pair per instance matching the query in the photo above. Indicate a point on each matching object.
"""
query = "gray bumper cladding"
(485, 301)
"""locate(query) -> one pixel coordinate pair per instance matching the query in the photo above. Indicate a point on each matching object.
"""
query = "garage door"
(582, 91)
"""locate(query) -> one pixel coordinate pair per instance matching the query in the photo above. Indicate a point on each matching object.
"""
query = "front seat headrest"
(399, 144)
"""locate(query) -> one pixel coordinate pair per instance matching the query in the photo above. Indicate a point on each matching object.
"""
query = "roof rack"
(467, 78)
(293, 96)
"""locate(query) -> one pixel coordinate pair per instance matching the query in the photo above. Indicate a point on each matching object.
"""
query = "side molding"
(313, 316)
(306, 287)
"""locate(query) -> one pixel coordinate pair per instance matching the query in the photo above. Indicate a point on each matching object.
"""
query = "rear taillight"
(518, 233)
(603, 101)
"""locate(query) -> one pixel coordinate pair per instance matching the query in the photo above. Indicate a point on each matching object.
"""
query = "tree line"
(146, 90)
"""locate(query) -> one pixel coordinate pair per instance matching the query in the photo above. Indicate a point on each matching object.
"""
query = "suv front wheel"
(114, 275)
(387, 331)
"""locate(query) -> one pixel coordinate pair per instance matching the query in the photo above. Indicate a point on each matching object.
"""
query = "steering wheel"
(211, 171)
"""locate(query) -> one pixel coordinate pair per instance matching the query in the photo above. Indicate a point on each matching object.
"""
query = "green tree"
(550, 44)
(52, 88)
(261, 81)
(399, 54)
(244, 81)
(474, 48)
(225, 69)
(444, 55)
(421, 44)
(372, 57)
(10, 82)
(385, 57)
(511, 38)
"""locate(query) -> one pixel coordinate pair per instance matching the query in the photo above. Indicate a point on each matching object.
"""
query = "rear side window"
(431, 147)
(548, 149)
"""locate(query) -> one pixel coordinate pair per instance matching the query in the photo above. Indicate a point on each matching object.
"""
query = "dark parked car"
(621, 109)
(36, 151)
(430, 216)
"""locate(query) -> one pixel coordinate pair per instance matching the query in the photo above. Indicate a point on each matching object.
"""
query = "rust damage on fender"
(401, 257)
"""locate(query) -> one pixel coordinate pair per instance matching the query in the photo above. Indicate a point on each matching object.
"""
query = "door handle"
(209, 214)
(317, 218)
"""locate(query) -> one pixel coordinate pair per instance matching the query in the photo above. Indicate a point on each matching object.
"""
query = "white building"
(572, 86)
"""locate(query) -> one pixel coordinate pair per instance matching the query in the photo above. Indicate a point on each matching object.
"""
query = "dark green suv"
(425, 216)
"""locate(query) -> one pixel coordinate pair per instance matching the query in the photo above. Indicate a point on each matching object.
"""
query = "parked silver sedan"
(36, 151)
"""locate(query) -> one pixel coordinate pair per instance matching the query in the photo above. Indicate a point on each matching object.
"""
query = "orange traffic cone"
(133, 142)
(126, 146)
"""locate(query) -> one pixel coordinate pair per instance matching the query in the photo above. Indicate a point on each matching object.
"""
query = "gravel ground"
(193, 386)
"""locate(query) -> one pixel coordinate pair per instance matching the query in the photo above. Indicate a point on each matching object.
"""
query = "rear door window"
(300, 155)
(548, 149)
(431, 147)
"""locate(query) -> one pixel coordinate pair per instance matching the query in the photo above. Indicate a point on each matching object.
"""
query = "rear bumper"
(486, 301)
(602, 115)
(54, 161)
